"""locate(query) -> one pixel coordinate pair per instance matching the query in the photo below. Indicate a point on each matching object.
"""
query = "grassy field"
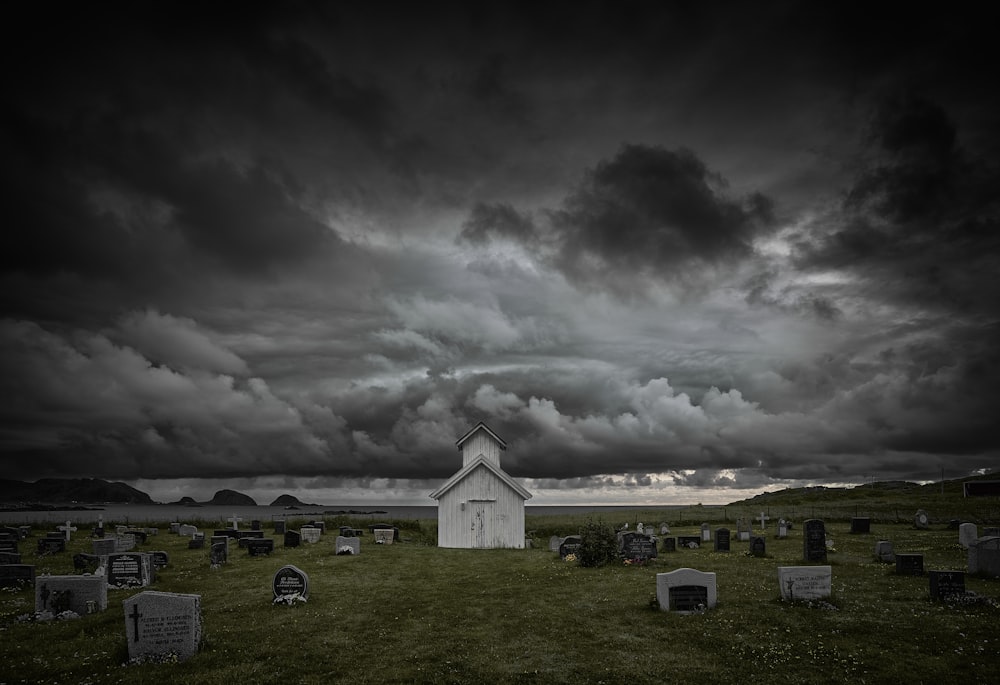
(412, 612)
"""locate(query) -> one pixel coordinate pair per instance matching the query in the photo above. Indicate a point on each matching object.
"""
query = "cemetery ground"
(413, 612)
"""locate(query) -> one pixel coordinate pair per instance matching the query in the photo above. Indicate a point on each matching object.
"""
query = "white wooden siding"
(481, 443)
(500, 524)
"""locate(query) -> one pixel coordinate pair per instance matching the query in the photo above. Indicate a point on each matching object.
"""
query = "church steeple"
(481, 441)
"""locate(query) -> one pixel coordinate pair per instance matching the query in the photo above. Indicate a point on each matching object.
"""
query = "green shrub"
(598, 544)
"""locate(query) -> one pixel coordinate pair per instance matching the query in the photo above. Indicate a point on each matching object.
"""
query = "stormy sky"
(670, 252)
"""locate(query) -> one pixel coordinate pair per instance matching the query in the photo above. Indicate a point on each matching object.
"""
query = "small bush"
(598, 544)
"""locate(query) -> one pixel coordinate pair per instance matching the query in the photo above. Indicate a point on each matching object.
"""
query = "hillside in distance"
(70, 490)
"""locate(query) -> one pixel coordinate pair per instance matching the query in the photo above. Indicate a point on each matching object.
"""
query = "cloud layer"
(659, 251)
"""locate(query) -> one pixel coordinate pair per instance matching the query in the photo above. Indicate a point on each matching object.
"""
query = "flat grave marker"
(805, 582)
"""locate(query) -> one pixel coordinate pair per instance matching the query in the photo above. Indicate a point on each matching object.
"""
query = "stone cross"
(68, 528)
(135, 616)
(764, 518)
(236, 521)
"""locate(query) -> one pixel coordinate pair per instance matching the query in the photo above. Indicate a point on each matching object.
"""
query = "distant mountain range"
(70, 491)
(79, 491)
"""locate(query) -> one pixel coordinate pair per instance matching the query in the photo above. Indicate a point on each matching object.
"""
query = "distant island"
(222, 498)
(70, 492)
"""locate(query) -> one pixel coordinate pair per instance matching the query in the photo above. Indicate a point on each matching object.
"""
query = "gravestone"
(669, 544)
(197, 541)
(160, 559)
(721, 539)
(637, 546)
(259, 547)
(218, 553)
(220, 540)
(139, 535)
(814, 540)
(350, 545)
(16, 576)
(128, 569)
(310, 534)
(921, 520)
(279, 527)
(554, 542)
(124, 543)
(758, 547)
(909, 564)
(186, 530)
(67, 529)
(706, 533)
(990, 532)
(805, 582)
(686, 590)
(861, 524)
(569, 545)
(9, 544)
(86, 563)
(322, 525)
(946, 583)
(175, 527)
(162, 623)
(984, 557)
(81, 594)
(255, 524)
(49, 545)
(235, 520)
(10, 558)
(967, 534)
(385, 533)
(782, 529)
(104, 546)
(230, 533)
(664, 529)
(884, 552)
(289, 580)
(743, 530)
(292, 538)
(689, 541)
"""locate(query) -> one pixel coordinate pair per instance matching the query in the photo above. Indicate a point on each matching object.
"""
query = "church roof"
(481, 426)
(473, 465)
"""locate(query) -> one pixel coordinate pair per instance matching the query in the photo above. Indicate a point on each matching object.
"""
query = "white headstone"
(186, 530)
(782, 528)
(706, 532)
(384, 536)
(967, 534)
(235, 520)
(805, 582)
(310, 534)
(984, 557)
(686, 590)
(159, 623)
(344, 544)
(80, 594)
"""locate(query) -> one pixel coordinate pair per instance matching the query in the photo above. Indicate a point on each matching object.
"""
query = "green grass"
(412, 612)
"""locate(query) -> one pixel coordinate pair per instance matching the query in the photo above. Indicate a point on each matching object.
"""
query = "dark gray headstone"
(161, 623)
(196, 543)
(49, 545)
(218, 553)
(721, 539)
(814, 540)
(909, 564)
(689, 540)
(569, 545)
(128, 569)
(637, 546)
(16, 576)
(292, 538)
(861, 524)
(289, 580)
(104, 546)
(921, 520)
(279, 527)
(10, 558)
(758, 546)
(160, 558)
(946, 583)
(670, 544)
(255, 524)
(9, 545)
(258, 547)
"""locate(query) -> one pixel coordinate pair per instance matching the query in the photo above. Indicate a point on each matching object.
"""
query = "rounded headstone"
(290, 580)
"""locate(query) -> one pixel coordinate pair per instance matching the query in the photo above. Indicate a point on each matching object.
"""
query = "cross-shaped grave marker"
(236, 521)
(764, 518)
(68, 528)
(135, 616)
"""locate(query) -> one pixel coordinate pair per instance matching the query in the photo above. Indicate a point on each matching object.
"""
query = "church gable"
(481, 441)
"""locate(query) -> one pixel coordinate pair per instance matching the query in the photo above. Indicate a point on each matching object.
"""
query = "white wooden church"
(481, 506)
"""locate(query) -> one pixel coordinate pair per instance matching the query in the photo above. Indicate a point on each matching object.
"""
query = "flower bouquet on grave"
(570, 557)
(290, 599)
(635, 561)
(345, 549)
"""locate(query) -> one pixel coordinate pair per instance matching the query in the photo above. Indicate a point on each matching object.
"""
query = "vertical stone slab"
(814, 541)
(80, 594)
(162, 623)
(686, 590)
